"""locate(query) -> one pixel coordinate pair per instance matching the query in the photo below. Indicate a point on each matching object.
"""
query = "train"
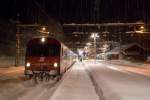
(47, 55)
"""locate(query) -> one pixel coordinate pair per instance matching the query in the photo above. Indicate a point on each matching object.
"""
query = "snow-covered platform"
(119, 83)
(76, 85)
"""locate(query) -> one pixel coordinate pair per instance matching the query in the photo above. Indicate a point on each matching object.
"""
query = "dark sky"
(77, 10)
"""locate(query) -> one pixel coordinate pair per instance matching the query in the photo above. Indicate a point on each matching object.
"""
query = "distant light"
(43, 29)
(28, 64)
(80, 52)
(94, 35)
(42, 39)
(104, 35)
(85, 47)
(88, 44)
(106, 32)
(55, 64)
(142, 27)
(141, 32)
(76, 35)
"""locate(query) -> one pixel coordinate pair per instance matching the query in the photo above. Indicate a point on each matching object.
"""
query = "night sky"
(75, 11)
(67, 11)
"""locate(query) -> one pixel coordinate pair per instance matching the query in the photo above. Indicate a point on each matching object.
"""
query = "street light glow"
(85, 47)
(43, 28)
(88, 44)
(142, 28)
(94, 35)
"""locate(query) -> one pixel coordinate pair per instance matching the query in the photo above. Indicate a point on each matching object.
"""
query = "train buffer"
(76, 85)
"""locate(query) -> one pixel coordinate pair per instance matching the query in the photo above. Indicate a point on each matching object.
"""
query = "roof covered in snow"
(122, 48)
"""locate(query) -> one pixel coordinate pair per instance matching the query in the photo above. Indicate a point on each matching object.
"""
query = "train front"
(43, 55)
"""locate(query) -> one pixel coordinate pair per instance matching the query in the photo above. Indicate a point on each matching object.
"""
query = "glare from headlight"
(55, 64)
(28, 64)
(43, 39)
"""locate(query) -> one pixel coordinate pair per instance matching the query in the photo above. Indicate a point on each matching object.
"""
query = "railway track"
(97, 88)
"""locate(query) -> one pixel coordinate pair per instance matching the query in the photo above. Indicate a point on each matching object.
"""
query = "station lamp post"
(142, 29)
(141, 32)
(94, 36)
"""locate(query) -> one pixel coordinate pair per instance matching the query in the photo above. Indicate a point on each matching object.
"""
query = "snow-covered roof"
(114, 51)
(122, 48)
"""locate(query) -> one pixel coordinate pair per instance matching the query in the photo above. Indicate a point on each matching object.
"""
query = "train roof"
(37, 40)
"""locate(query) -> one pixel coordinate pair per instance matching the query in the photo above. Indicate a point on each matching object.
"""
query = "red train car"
(46, 54)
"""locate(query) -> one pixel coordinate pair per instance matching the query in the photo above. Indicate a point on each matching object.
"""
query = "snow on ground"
(129, 63)
(27, 91)
(42, 91)
(139, 68)
(115, 81)
(13, 86)
(76, 85)
(118, 84)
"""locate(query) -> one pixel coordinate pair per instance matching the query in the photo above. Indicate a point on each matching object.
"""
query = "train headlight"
(28, 64)
(55, 64)
(43, 39)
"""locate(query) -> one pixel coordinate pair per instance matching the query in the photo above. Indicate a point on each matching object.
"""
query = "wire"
(41, 9)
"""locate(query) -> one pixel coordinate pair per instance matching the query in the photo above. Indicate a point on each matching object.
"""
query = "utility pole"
(95, 53)
(18, 40)
(17, 44)
(94, 36)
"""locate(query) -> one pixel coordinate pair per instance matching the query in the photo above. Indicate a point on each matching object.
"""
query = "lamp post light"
(142, 28)
(94, 36)
(43, 28)
(141, 32)
(44, 31)
(88, 44)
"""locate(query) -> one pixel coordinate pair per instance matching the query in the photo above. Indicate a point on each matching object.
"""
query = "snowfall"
(87, 80)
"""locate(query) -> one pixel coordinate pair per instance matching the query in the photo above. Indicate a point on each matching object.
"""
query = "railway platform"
(76, 85)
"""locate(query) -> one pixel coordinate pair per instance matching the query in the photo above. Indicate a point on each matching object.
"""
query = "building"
(133, 52)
